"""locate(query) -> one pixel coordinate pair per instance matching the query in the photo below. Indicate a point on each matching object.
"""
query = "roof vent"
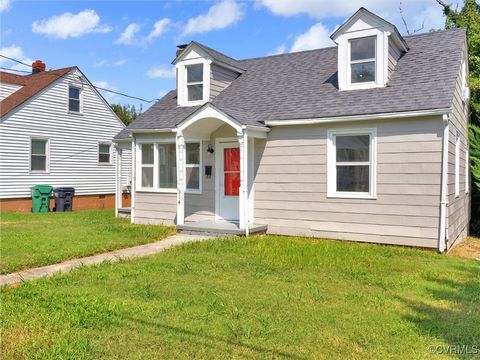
(38, 66)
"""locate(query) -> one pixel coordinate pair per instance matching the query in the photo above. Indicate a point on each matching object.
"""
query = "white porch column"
(118, 178)
(134, 179)
(243, 191)
(180, 143)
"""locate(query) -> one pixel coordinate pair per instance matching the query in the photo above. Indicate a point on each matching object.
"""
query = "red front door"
(228, 177)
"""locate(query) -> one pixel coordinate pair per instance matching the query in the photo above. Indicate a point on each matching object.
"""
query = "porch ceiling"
(203, 127)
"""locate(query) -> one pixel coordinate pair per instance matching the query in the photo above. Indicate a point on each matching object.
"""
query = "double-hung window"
(362, 60)
(147, 165)
(157, 167)
(351, 163)
(104, 154)
(73, 99)
(167, 166)
(39, 155)
(195, 82)
(192, 166)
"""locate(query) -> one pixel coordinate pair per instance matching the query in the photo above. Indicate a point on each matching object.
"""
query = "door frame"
(218, 173)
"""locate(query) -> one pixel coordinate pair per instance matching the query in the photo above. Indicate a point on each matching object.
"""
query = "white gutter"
(382, 116)
(442, 239)
(150, 131)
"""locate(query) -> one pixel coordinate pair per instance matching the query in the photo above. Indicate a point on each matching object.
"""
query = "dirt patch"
(469, 249)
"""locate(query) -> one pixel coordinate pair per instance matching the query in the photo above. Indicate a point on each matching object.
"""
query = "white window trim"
(155, 164)
(182, 81)
(110, 162)
(381, 59)
(200, 166)
(80, 99)
(457, 165)
(47, 153)
(332, 161)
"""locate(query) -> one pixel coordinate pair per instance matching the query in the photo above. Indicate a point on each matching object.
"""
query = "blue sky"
(128, 46)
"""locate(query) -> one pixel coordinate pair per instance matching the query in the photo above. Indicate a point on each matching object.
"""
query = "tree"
(469, 17)
(126, 113)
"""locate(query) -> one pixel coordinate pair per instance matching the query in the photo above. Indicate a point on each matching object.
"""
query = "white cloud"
(14, 52)
(70, 25)
(5, 5)
(158, 29)
(278, 50)
(100, 63)
(162, 71)
(219, 16)
(415, 11)
(127, 37)
(318, 36)
(110, 97)
(120, 62)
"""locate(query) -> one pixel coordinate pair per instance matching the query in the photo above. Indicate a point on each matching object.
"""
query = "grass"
(261, 297)
(29, 240)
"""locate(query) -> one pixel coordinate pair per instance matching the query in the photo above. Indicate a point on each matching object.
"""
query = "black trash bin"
(63, 198)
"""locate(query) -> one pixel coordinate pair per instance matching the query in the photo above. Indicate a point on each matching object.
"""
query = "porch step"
(124, 212)
(219, 228)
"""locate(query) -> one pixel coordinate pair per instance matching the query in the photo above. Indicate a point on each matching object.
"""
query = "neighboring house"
(56, 129)
(365, 141)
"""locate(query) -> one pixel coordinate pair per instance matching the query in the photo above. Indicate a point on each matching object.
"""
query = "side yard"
(30, 240)
(261, 297)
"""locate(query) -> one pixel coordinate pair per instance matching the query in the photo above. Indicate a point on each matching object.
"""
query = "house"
(56, 129)
(364, 141)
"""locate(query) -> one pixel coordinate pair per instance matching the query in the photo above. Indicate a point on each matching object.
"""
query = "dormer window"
(362, 60)
(195, 82)
(368, 50)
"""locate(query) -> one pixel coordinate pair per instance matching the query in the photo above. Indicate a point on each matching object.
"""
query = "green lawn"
(29, 240)
(262, 297)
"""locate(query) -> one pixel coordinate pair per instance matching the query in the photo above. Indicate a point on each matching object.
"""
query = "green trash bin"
(41, 195)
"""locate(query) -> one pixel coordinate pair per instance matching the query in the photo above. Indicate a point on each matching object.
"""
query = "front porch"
(219, 228)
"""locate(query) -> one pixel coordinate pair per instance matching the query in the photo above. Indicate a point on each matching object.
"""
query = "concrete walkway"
(113, 256)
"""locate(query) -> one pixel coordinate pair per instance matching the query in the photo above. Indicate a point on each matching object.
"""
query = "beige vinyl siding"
(220, 78)
(458, 214)
(73, 142)
(7, 89)
(291, 185)
(155, 208)
(394, 53)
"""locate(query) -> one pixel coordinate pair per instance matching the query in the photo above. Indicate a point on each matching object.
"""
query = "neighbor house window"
(74, 99)
(362, 60)
(38, 155)
(195, 82)
(104, 153)
(192, 165)
(147, 165)
(457, 166)
(351, 163)
(167, 166)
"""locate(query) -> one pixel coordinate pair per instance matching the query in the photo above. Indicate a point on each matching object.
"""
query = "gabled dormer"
(368, 49)
(202, 73)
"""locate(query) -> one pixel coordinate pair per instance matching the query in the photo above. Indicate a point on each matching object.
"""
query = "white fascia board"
(381, 116)
(151, 131)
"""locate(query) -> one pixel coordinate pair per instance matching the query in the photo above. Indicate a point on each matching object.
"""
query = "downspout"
(134, 179)
(117, 205)
(442, 240)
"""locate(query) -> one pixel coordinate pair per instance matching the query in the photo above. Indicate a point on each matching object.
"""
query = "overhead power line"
(96, 87)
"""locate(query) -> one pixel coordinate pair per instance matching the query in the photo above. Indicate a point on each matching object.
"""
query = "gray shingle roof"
(219, 57)
(304, 85)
